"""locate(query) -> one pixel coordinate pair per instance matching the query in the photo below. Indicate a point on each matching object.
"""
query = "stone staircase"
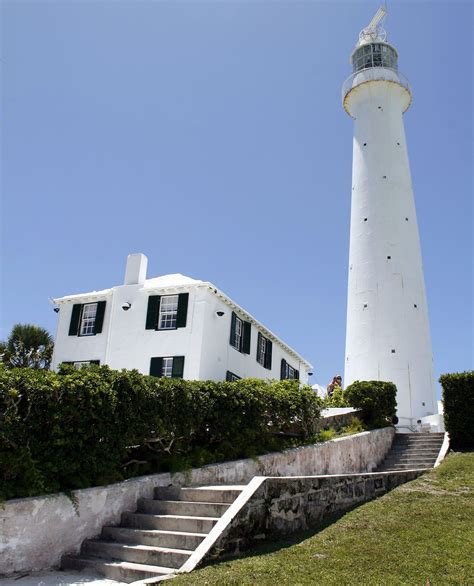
(158, 538)
(411, 451)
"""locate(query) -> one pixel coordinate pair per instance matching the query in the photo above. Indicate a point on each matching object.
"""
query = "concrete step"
(415, 440)
(135, 553)
(403, 456)
(414, 450)
(385, 468)
(169, 522)
(120, 571)
(188, 508)
(174, 539)
(415, 456)
(206, 494)
(417, 464)
(418, 434)
(418, 446)
(399, 438)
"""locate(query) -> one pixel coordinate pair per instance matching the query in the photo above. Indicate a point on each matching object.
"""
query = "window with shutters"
(261, 349)
(288, 372)
(88, 317)
(240, 334)
(291, 373)
(81, 363)
(237, 341)
(264, 351)
(167, 366)
(168, 314)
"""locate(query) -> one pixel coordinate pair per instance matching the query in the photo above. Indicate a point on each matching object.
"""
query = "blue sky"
(211, 137)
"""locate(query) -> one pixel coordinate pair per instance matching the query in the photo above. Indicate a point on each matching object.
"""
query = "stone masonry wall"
(281, 506)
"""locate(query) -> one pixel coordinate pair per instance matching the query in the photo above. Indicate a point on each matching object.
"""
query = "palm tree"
(28, 346)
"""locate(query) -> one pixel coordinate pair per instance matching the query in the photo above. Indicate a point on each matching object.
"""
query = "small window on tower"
(389, 257)
(365, 219)
(393, 350)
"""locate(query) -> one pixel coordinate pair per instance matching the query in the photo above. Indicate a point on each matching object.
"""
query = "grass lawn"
(420, 533)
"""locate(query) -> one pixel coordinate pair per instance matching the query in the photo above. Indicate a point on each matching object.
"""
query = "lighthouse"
(388, 334)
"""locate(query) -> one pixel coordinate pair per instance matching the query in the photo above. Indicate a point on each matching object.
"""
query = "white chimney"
(135, 272)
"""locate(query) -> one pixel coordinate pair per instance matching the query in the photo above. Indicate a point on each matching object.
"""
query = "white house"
(170, 326)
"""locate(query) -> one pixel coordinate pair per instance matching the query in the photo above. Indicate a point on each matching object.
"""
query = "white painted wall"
(204, 342)
(389, 287)
(219, 356)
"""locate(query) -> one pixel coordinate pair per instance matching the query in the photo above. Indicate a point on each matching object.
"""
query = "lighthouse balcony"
(371, 74)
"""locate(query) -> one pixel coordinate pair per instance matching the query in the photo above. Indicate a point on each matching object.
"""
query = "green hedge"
(377, 399)
(458, 401)
(80, 428)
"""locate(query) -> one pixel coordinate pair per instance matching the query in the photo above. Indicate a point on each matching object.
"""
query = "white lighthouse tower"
(388, 336)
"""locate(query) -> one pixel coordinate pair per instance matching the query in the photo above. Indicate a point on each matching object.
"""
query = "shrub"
(355, 426)
(337, 399)
(325, 435)
(80, 428)
(377, 399)
(458, 400)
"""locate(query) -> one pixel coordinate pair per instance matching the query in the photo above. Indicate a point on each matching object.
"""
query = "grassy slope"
(422, 531)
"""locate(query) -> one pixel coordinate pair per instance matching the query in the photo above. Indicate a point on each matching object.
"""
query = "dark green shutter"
(75, 317)
(230, 377)
(182, 310)
(99, 317)
(297, 374)
(268, 355)
(232, 330)
(178, 367)
(246, 337)
(156, 367)
(152, 313)
(283, 371)
(258, 346)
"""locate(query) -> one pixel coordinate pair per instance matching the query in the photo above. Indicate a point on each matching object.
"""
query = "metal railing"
(373, 74)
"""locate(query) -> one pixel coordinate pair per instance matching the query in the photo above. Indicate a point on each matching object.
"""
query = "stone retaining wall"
(280, 506)
(36, 532)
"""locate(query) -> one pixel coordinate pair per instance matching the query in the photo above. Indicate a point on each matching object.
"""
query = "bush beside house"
(93, 426)
(458, 401)
(80, 428)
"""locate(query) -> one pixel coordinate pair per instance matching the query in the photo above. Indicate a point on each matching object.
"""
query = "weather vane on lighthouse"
(388, 335)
